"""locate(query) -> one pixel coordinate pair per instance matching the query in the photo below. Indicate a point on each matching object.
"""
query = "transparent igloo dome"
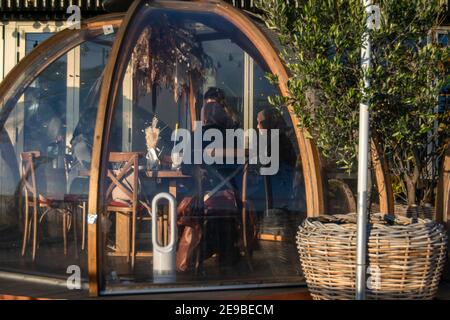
(170, 100)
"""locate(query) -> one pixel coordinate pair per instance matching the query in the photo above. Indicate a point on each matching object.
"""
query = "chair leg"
(244, 217)
(201, 249)
(244, 236)
(25, 230)
(35, 225)
(83, 224)
(75, 231)
(128, 235)
(30, 226)
(133, 239)
(197, 260)
(65, 233)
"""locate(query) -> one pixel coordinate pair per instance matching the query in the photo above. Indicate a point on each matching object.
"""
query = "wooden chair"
(126, 180)
(242, 206)
(37, 202)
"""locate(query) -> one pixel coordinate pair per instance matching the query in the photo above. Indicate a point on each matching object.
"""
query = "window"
(234, 225)
(48, 120)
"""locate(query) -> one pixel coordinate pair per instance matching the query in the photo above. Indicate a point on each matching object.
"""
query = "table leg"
(65, 225)
(74, 208)
(123, 233)
(173, 188)
(83, 240)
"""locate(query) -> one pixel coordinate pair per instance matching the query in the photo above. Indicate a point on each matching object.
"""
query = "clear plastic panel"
(190, 72)
(45, 150)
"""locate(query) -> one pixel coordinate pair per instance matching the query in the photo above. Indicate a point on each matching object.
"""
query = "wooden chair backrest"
(129, 165)
(28, 174)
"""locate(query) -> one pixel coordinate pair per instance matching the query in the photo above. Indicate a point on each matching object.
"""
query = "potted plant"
(323, 41)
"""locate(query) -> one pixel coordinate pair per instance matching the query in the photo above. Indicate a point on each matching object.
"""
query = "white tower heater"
(164, 257)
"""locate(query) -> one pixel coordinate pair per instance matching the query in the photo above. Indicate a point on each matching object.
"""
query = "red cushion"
(121, 204)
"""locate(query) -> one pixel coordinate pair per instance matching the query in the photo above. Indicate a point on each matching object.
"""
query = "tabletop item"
(177, 160)
(176, 157)
(151, 139)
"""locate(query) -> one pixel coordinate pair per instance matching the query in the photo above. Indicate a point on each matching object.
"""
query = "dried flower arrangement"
(169, 55)
(151, 139)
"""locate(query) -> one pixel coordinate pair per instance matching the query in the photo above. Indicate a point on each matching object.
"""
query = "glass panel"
(235, 225)
(45, 161)
(93, 58)
(45, 108)
(32, 39)
(41, 108)
(227, 63)
(284, 207)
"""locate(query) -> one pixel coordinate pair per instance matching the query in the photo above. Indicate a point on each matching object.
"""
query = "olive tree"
(323, 40)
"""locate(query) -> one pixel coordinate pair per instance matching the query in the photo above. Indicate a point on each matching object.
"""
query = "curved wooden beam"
(443, 190)
(446, 207)
(95, 198)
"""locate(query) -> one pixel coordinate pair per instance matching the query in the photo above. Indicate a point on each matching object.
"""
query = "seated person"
(82, 139)
(81, 152)
(215, 113)
(214, 229)
(287, 186)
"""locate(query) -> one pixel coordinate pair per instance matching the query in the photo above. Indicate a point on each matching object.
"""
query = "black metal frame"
(44, 10)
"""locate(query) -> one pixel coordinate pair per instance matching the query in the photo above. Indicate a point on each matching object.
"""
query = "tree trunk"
(411, 191)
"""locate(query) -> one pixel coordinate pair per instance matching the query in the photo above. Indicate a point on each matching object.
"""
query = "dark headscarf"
(214, 113)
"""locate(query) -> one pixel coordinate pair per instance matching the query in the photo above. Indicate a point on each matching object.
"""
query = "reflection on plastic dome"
(47, 126)
(234, 226)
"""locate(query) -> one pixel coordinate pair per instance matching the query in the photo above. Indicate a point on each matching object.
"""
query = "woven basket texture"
(406, 256)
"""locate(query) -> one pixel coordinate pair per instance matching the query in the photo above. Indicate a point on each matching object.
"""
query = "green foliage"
(324, 39)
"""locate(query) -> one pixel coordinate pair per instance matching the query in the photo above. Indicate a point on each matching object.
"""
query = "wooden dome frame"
(309, 154)
(311, 164)
(443, 190)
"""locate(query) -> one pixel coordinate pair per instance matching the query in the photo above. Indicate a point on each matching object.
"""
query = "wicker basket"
(406, 258)
(424, 212)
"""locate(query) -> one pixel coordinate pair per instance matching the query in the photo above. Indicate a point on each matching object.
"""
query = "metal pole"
(363, 163)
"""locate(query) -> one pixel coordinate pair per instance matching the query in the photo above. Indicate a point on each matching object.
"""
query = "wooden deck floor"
(24, 290)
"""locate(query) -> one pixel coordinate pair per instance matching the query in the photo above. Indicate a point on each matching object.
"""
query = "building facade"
(50, 110)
